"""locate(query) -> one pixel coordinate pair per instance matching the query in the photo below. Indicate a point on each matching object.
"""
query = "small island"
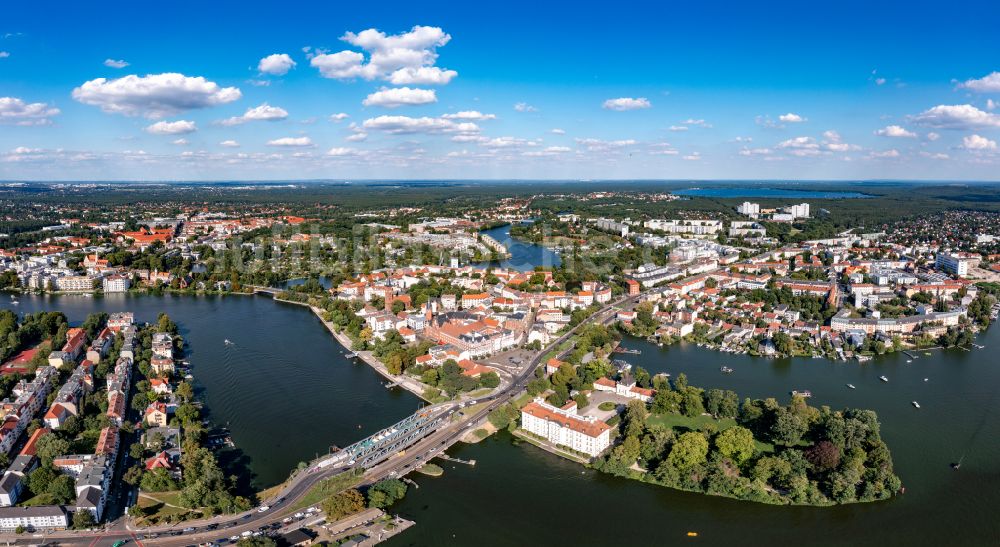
(599, 412)
(756, 450)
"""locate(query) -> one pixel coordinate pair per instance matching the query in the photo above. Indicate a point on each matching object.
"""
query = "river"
(284, 387)
(287, 392)
(529, 497)
(524, 256)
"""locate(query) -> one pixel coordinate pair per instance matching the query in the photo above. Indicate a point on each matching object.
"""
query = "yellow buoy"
(692, 534)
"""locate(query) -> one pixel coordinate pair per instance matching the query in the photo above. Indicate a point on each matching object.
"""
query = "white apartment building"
(694, 227)
(78, 283)
(751, 210)
(564, 427)
(956, 263)
(609, 225)
(116, 283)
(798, 211)
(37, 518)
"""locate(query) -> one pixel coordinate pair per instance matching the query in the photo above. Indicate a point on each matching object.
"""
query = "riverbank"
(402, 380)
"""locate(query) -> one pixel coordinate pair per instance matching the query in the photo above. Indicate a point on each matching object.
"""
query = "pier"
(446, 457)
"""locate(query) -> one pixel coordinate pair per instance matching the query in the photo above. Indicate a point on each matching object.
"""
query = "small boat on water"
(851, 386)
(805, 393)
(909, 360)
(228, 342)
(883, 378)
(14, 302)
(925, 379)
(927, 353)
(916, 404)
(725, 370)
(626, 350)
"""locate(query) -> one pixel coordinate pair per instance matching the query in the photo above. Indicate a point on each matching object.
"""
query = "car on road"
(300, 515)
(247, 534)
(263, 508)
(234, 538)
(119, 543)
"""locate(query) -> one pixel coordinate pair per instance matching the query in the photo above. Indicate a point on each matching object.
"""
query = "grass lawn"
(522, 400)
(164, 507)
(40, 499)
(472, 410)
(327, 488)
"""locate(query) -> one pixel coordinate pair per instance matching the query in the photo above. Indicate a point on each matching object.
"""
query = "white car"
(263, 508)
(234, 538)
(247, 534)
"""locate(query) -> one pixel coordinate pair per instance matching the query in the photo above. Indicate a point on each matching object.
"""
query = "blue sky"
(208, 90)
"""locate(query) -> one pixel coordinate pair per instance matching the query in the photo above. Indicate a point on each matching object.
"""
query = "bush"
(606, 406)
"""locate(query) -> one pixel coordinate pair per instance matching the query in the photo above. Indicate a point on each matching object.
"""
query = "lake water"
(753, 192)
(524, 256)
(287, 392)
(531, 497)
(283, 386)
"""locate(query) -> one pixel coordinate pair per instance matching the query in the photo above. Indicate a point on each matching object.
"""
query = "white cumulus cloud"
(180, 127)
(959, 116)
(115, 63)
(406, 58)
(342, 151)
(524, 107)
(229, 143)
(400, 96)
(976, 142)
(291, 142)
(423, 75)
(339, 117)
(895, 131)
(987, 84)
(626, 103)
(17, 112)
(473, 115)
(277, 64)
(154, 95)
(263, 112)
(791, 117)
(407, 125)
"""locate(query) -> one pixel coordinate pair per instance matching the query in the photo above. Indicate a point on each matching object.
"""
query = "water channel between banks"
(286, 390)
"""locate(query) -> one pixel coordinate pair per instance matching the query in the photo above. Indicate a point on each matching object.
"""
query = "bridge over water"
(378, 447)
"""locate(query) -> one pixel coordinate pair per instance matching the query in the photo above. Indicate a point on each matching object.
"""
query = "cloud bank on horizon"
(464, 98)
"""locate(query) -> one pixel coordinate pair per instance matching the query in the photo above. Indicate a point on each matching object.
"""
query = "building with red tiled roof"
(564, 427)
(30, 446)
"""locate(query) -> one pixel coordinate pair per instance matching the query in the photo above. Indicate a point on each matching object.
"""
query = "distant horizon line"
(345, 182)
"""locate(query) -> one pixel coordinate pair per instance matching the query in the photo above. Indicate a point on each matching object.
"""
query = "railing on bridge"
(376, 448)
